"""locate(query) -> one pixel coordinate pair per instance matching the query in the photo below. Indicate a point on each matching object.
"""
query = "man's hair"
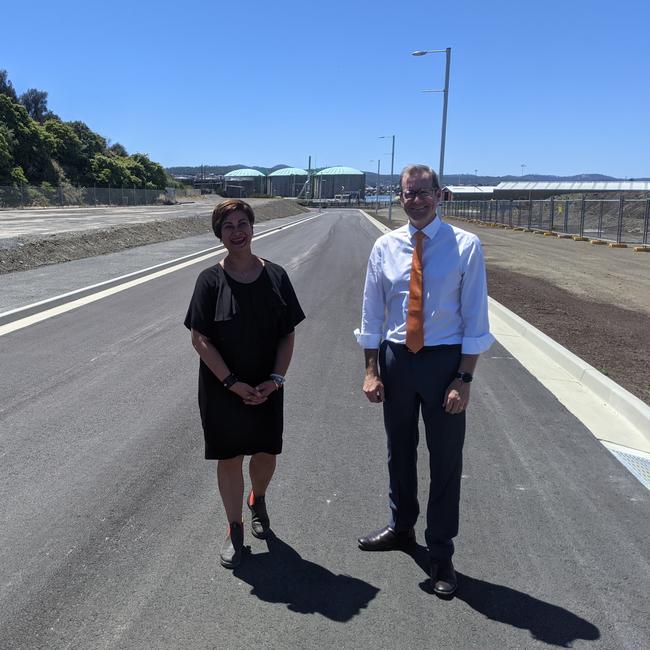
(419, 169)
(228, 207)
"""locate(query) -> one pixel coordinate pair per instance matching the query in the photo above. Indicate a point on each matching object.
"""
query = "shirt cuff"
(477, 344)
(367, 341)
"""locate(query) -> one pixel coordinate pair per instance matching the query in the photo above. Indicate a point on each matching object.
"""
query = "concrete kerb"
(626, 406)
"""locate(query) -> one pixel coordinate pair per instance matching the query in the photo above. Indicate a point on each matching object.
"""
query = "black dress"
(245, 323)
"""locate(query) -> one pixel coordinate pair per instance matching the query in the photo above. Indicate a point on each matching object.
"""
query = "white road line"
(79, 302)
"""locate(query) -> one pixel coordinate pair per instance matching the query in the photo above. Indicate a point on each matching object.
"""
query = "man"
(424, 323)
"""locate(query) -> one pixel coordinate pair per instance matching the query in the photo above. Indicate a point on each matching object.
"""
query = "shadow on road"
(282, 576)
(548, 623)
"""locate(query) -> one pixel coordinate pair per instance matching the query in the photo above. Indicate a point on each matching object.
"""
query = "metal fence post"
(530, 212)
(60, 196)
(646, 219)
(551, 220)
(583, 207)
(619, 229)
(22, 196)
(109, 195)
(510, 213)
(600, 219)
(566, 216)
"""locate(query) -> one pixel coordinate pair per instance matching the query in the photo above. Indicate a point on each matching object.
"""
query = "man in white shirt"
(424, 323)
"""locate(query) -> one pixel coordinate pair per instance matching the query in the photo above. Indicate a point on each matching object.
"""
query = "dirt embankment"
(31, 252)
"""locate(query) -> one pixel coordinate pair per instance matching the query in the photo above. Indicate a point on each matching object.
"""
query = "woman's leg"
(261, 470)
(231, 487)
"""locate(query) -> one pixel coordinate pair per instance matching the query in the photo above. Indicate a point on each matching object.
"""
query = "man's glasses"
(411, 195)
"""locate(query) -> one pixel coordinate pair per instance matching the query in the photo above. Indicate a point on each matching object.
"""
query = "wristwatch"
(465, 377)
(229, 381)
(278, 380)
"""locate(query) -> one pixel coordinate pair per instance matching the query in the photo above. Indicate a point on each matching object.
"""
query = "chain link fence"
(34, 196)
(615, 220)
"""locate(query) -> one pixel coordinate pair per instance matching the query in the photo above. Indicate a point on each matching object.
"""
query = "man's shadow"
(548, 623)
(282, 576)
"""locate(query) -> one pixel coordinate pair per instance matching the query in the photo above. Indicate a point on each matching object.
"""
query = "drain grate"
(637, 462)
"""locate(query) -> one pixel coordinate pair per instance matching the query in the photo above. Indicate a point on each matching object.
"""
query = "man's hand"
(249, 395)
(373, 388)
(456, 397)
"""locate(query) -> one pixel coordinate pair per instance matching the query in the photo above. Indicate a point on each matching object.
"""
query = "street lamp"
(447, 52)
(377, 189)
(392, 162)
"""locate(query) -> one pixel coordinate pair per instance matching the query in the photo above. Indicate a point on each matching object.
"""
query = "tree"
(113, 171)
(153, 175)
(35, 101)
(33, 144)
(67, 148)
(118, 150)
(6, 87)
(7, 142)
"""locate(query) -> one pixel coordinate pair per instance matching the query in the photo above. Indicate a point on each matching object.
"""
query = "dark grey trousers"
(414, 383)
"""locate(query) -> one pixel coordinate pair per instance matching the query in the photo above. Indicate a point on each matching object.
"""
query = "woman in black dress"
(242, 318)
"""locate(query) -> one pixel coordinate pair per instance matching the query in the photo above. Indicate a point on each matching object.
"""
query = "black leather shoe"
(443, 578)
(232, 546)
(260, 523)
(386, 539)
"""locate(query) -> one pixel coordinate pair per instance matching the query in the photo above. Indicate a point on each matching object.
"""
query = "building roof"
(244, 173)
(339, 171)
(289, 171)
(577, 186)
(470, 189)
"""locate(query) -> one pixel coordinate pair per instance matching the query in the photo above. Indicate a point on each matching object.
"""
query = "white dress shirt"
(454, 289)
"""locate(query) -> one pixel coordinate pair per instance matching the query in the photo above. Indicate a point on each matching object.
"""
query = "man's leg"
(445, 435)
(401, 412)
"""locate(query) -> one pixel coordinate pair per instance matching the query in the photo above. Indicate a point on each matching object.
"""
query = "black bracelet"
(229, 381)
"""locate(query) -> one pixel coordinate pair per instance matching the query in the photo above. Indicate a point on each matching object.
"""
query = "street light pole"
(390, 190)
(377, 204)
(443, 136)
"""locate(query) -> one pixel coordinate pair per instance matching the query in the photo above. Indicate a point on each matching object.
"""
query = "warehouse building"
(545, 190)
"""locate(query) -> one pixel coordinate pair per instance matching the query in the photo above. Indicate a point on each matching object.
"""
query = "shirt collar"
(429, 230)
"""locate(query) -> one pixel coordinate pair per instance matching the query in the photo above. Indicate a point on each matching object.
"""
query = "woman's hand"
(251, 396)
(266, 387)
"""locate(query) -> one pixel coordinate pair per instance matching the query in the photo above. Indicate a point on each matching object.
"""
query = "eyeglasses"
(411, 195)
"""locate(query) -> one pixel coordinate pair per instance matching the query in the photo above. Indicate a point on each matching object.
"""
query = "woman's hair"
(228, 207)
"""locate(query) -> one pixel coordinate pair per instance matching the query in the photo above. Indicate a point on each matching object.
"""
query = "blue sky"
(562, 87)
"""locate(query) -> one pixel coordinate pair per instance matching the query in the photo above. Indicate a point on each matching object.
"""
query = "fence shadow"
(282, 576)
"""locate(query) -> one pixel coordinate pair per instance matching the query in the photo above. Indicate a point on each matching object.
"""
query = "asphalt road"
(110, 524)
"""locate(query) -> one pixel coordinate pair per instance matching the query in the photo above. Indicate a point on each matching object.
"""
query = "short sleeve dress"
(245, 322)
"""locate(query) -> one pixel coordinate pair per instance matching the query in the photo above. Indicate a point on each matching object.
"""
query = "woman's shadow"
(282, 576)
(546, 622)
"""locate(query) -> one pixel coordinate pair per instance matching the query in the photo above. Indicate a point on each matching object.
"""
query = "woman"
(242, 317)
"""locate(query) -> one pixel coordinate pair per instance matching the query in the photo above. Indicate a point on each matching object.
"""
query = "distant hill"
(385, 179)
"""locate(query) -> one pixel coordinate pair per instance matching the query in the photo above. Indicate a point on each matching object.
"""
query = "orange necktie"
(414, 318)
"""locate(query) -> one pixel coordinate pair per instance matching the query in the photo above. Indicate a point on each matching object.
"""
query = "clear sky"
(560, 86)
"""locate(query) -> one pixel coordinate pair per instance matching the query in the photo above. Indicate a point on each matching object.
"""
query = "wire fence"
(614, 220)
(35, 196)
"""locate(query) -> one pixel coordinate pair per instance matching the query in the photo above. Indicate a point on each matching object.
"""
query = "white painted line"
(611, 413)
(79, 302)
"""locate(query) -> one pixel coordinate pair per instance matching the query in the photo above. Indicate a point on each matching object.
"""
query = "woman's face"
(236, 231)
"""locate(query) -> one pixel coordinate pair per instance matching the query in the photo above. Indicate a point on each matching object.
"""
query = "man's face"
(419, 199)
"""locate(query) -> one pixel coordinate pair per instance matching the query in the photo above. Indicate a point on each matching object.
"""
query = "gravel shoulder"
(593, 300)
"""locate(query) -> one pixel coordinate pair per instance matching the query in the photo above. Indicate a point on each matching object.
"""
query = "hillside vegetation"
(38, 148)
